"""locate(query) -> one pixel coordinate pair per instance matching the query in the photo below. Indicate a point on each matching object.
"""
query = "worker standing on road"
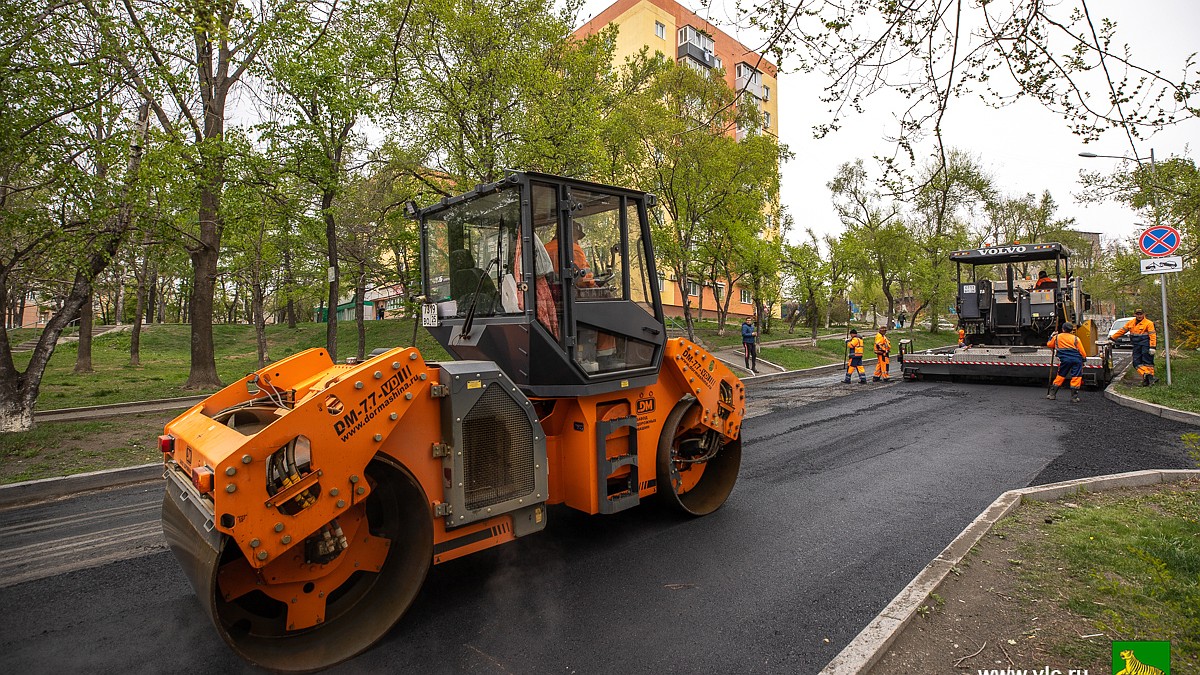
(1144, 339)
(1071, 357)
(883, 348)
(854, 347)
(749, 339)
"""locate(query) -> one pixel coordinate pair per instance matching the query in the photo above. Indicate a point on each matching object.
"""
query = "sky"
(1026, 148)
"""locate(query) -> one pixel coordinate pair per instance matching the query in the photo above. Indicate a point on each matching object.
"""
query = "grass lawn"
(796, 357)
(64, 448)
(165, 358)
(1184, 392)
(1130, 564)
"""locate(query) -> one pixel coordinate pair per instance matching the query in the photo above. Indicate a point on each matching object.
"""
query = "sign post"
(1160, 242)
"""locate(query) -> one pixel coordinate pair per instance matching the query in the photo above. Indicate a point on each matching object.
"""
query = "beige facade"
(663, 25)
(678, 33)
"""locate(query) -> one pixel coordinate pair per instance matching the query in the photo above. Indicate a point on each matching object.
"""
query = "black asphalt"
(846, 492)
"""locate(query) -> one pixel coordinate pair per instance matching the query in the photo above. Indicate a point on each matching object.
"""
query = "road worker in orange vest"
(962, 337)
(854, 348)
(883, 348)
(1144, 339)
(1071, 357)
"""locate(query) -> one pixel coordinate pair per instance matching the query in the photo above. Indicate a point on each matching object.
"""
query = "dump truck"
(307, 501)
(1008, 321)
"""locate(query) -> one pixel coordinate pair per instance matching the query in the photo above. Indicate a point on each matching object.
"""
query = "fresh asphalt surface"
(845, 493)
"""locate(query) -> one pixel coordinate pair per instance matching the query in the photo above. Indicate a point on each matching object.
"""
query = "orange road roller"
(307, 501)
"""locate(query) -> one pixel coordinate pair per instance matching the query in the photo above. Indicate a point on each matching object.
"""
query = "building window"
(662, 283)
(693, 289)
(660, 29)
(766, 93)
(719, 292)
(766, 120)
(746, 299)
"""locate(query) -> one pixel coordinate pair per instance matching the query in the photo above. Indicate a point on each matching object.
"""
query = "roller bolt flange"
(333, 492)
(262, 555)
(230, 471)
(246, 459)
(279, 527)
(231, 488)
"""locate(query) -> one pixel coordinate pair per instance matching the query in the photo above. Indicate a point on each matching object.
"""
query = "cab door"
(614, 315)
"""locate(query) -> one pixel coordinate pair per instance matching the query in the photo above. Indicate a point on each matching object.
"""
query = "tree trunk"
(135, 338)
(260, 321)
(334, 291)
(83, 358)
(151, 292)
(359, 315)
(289, 281)
(119, 301)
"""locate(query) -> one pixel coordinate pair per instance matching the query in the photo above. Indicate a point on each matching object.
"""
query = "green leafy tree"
(944, 203)
(70, 154)
(878, 241)
(487, 85)
(186, 60)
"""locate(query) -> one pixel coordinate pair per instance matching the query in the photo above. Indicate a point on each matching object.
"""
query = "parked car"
(1123, 341)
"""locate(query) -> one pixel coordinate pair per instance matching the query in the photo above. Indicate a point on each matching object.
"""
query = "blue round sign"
(1159, 240)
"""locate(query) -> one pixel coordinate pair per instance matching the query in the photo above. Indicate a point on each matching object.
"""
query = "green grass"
(797, 357)
(1184, 392)
(64, 448)
(1128, 563)
(706, 332)
(165, 359)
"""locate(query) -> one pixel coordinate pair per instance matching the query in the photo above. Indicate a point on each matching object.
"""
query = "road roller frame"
(307, 501)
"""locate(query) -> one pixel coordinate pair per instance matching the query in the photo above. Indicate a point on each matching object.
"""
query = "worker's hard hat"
(1068, 327)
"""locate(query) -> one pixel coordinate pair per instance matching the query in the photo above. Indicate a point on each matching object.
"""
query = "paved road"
(846, 492)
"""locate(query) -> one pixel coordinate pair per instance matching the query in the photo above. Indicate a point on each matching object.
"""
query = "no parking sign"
(1159, 240)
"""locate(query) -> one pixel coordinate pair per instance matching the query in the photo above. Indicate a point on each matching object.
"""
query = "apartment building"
(680, 33)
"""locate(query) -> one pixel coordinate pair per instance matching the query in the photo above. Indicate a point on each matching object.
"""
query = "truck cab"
(552, 278)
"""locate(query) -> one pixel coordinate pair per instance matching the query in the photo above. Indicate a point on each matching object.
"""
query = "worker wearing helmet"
(883, 348)
(1071, 357)
(854, 347)
(962, 337)
(1144, 339)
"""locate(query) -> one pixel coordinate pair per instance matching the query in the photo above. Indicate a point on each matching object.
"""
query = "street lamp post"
(1157, 221)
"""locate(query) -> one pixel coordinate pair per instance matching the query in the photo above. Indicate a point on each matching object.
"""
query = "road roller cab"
(307, 501)
(551, 278)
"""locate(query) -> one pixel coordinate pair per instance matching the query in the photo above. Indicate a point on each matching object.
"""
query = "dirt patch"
(65, 448)
(1009, 604)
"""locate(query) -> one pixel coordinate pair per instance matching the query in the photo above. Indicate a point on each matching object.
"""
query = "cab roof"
(1010, 253)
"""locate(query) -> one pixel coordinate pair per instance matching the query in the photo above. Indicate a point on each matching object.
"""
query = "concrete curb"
(49, 488)
(865, 650)
(99, 410)
(1110, 393)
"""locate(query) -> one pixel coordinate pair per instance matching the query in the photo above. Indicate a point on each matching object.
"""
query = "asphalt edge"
(865, 650)
(43, 489)
(1110, 393)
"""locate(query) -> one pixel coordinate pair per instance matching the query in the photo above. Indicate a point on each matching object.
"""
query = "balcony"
(700, 56)
(750, 80)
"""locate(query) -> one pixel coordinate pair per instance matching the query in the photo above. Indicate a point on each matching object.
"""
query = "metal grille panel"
(498, 453)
